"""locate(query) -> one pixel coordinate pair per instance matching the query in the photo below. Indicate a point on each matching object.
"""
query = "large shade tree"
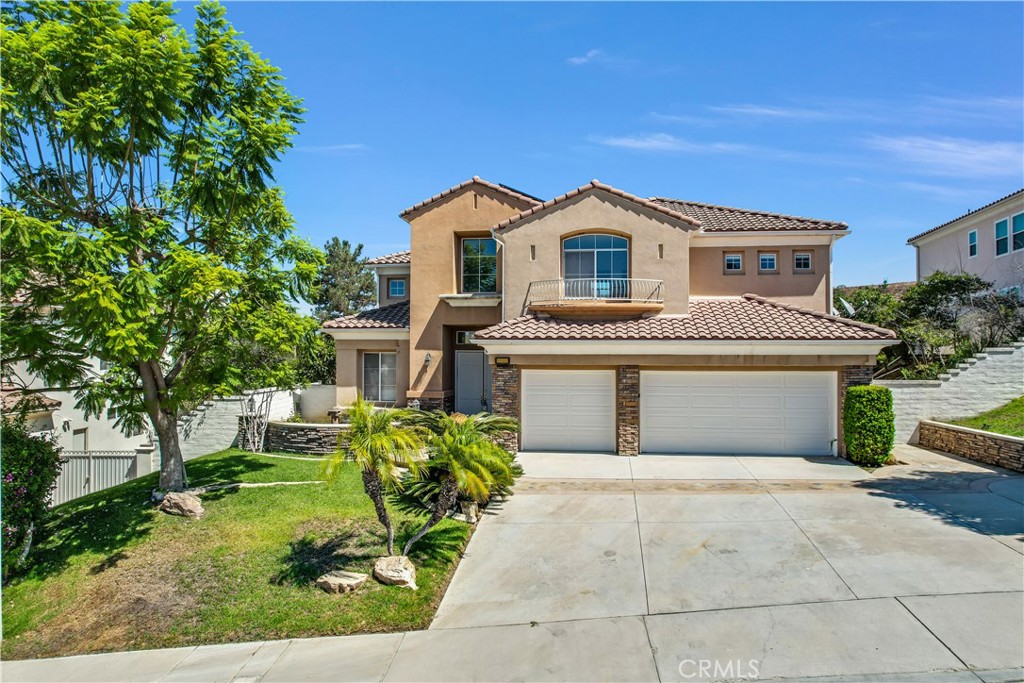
(140, 224)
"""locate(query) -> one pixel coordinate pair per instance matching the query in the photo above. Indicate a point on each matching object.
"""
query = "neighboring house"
(38, 408)
(987, 242)
(605, 322)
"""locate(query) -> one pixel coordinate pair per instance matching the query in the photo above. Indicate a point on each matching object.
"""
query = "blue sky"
(891, 117)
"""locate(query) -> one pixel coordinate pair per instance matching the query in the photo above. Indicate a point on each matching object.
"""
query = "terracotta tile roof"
(597, 185)
(395, 316)
(475, 180)
(11, 395)
(714, 218)
(396, 258)
(750, 318)
(969, 213)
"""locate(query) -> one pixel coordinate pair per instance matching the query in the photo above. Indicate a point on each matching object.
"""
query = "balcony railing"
(594, 293)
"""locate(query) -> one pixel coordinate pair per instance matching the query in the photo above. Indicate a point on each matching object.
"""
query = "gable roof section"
(747, 318)
(589, 187)
(969, 213)
(393, 317)
(12, 395)
(715, 218)
(475, 180)
(397, 258)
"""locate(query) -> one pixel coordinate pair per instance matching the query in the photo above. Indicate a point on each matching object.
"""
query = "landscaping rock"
(470, 510)
(397, 570)
(341, 581)
(182, 504)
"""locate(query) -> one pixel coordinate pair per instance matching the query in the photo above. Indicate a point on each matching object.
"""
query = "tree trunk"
(172, 465)
(446, 498)
(375, 490)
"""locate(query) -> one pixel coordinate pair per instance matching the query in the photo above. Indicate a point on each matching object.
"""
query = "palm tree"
(464, 457)
(379, 441)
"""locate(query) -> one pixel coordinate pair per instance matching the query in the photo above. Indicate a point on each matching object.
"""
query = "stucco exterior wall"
(386, 274)
(214, 426)
(348, 375)
(947, 249)
(436, 234)
(594, 213)
(991, 380)
(805, 289)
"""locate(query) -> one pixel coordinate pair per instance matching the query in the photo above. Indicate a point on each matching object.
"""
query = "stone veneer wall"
(627, 403)
(505, 399)
(296, 437)
(986, 447)
(982, 383)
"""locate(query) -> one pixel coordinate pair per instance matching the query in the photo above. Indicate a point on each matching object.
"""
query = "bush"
(869, 425)
(28, 474)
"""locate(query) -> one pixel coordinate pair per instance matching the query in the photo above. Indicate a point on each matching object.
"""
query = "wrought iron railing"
(619, 290)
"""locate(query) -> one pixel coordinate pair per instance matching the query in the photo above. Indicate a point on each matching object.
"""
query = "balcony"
(596, 297)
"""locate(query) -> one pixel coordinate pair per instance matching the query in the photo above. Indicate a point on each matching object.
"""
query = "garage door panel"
(568, 410)
(774, 412)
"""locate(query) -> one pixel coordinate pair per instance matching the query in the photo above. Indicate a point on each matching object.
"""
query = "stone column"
(627, 400)
(505, 399)
(850, 376)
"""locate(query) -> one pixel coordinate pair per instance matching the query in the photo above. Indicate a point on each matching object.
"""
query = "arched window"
(599, 265)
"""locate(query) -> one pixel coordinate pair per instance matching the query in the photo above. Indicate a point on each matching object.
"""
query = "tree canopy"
(141, 224)
(344, 284)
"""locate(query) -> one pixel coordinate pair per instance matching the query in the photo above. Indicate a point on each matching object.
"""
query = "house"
(38, 408)
(987, 242)
(607, 322)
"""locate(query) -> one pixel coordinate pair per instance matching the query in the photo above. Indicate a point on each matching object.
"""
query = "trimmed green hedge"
(869, 425)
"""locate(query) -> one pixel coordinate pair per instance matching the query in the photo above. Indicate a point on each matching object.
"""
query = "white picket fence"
(85, 472)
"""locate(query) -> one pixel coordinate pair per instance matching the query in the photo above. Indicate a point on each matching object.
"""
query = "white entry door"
(742, 413)
(472, 382)
(568, 410)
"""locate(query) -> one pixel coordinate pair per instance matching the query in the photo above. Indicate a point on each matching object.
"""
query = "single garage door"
(568, 410)
(770, 413)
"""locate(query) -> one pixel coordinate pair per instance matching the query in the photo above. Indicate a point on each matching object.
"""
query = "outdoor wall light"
(426, 360)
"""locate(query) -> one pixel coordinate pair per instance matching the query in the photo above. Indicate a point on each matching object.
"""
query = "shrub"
(869, 425)
(28, 475)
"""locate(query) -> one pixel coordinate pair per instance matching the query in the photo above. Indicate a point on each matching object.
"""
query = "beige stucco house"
(987, 242)
(606, 322)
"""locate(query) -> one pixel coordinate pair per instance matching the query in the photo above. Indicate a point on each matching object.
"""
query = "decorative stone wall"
(447, 404)
(850, 376)
(505, 390)
(982, 383)
(986, 447)
(297, 437)
(627, 404)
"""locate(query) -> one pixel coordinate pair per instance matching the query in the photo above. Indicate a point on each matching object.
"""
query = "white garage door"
(568, 410)
(771, 413)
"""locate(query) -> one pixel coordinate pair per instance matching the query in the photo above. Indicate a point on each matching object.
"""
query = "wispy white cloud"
(665, 142)
(344, 148)
(586, 58)
(601, 58)
(686, 119)
(949, 156)
(773, 112)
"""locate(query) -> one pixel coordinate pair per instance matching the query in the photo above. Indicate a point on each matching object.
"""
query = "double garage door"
(684, 412)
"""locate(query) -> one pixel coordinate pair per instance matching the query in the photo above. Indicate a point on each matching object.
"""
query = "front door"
(472, 382)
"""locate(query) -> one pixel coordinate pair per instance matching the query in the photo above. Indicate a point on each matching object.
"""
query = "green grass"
(1008, 419)
(112, 573)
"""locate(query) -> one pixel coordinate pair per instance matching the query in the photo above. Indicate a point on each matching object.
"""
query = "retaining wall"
(987, 447)
(987, 381)
(298, 437)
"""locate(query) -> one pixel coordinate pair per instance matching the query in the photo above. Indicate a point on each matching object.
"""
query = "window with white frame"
(380, 376)
(767, 262)
(464, 336)
(1017, 230)
(1002, 237)
(734, 263)
(396, 288)
(802, 262)
(479, 265)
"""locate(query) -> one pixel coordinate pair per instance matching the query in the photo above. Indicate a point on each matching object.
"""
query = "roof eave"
(688, 347)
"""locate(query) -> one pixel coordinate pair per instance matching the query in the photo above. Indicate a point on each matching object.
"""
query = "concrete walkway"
(910, 573)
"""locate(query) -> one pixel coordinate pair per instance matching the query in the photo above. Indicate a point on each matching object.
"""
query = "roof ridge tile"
(477, 180)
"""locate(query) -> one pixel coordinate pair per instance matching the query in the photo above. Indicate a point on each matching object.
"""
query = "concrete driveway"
(671, 571)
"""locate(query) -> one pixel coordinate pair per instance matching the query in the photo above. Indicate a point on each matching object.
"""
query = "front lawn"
(112, 573)
(1008, 419)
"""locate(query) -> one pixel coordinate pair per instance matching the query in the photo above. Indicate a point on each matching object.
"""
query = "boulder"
(182, 504)
(397, 570)
(341, 581)
(470, 510)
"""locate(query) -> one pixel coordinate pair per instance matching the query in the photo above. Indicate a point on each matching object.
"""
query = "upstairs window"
(1002, 237)
(972, 244)
(734, 263)
(1018, 232)
(767, 262)
(479, 265)
(802, 262)
(396, 288)
(596, 256)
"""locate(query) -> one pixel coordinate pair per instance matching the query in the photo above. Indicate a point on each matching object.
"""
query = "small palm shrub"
(869, 425)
